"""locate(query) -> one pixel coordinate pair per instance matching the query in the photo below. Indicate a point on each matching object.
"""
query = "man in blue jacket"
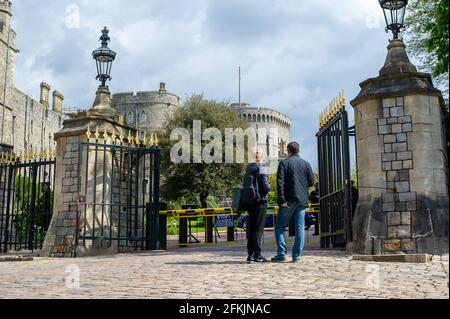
(295, 177)
(257, 213)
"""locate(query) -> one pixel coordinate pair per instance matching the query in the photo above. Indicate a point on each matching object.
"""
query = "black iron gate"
(119, 189)
(26, 200)
(334, 176)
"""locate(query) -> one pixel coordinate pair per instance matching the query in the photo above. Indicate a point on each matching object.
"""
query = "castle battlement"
(146, 109)
(248, 112)
(5, 6)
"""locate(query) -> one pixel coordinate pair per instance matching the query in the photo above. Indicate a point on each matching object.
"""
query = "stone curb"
(415, 259)
(15, 259)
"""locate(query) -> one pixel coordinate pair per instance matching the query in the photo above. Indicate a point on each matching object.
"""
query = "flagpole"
(240, 105)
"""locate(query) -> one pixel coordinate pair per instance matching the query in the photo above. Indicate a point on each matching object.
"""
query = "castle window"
(264, 118)
(46, 113)
(2, 24)
(259, 118)
(32, 127)
(143, 117)
(130, 118)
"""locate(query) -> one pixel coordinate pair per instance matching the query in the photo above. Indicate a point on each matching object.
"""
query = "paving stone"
(220, 272)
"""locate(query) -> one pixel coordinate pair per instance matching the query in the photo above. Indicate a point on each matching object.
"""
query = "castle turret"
(58, 100)
(45, 94)
(5, 14)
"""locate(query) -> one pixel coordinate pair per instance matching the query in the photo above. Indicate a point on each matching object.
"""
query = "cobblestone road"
(219, 272)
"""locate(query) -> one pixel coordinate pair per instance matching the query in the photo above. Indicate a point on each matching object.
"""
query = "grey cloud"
(295, 55)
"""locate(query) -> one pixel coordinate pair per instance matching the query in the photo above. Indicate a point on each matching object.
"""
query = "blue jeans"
(284, 216)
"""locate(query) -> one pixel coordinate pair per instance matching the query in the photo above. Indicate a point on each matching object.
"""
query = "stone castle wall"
(26, 123)
(146, 111)
(269, 119)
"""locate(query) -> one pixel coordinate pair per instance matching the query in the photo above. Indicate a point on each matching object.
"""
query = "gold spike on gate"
(144, 140)
(88, 133)
(156, 140)
(343, 99)
(105, 135)
(138, 141)
(114, 136)
(330, 111)
(121, 137)
(130, 138)
(97, 133)
(152, 140)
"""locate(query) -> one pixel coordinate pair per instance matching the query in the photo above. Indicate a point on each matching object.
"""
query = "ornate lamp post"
(394, 13)
(104, 58)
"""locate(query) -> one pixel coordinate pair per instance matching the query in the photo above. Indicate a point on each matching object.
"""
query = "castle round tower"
(277, 125)
(146, 111)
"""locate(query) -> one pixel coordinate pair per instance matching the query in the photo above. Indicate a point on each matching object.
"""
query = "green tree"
(273, 194)
(427, 36)
(197, 182)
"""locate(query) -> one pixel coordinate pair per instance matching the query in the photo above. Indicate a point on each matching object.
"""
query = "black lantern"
(394, 13)
(104, 58)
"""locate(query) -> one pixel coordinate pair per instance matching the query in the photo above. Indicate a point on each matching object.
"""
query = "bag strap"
(257, 182)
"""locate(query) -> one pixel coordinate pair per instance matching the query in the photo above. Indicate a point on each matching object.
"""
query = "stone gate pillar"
(66, 222)
(402, 161)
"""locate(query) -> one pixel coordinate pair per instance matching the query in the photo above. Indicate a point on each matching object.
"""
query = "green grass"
(197, 226)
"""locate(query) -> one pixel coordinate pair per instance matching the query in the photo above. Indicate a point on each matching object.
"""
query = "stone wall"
(146, 111)
(94, 195)
(35, 124)
(26, 122)
(399, 202)
(265, 118)
(402, 169)
(60, 238)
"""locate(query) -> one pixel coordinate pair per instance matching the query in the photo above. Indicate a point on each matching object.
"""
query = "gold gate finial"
(144, 141)
(121, 137)
(88, 133)
(97, 133)
(156, 140)
(152, 140)
(105, 135)
(130, 138)
(138, 141)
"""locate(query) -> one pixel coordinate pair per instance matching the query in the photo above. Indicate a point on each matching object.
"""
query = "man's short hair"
(293, 148)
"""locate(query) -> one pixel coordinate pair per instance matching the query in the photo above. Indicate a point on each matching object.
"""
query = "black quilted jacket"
(295, 177)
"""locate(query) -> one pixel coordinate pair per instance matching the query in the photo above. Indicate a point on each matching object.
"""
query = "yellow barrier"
(212, 212)
(210, 237)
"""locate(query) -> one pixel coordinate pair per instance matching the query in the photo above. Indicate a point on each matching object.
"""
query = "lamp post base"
(103, 103)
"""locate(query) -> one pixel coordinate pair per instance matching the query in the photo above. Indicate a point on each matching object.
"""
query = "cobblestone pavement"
(219, 272)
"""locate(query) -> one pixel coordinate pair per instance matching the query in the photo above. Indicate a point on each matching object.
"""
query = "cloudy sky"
(295, 54)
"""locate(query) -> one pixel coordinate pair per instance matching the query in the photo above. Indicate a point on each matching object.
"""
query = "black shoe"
(260, 259)
(250, 259)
